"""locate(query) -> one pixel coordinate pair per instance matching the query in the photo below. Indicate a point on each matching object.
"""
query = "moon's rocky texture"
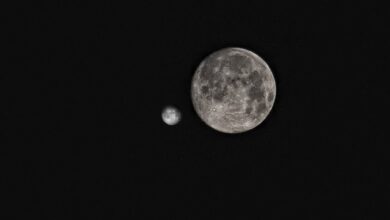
(233, 90)
(171, 115)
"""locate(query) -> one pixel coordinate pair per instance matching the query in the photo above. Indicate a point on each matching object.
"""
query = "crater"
(207, 72)
(261, 108)
(233, 81)
(220, 94)
(256, 93)
(255, 78)
(271, 96)
(248, 110)
(244, 81)
(238, 62)
(204, 90)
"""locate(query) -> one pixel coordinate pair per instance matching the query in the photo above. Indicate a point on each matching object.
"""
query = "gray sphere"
(233, 90)
(171, 115)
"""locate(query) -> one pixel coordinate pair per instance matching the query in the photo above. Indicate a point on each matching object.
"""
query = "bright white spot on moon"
(171, 115)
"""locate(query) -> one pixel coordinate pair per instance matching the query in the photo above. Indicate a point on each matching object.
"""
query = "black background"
(84, 85)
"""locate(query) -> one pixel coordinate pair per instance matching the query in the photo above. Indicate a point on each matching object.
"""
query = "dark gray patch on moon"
(233, 90)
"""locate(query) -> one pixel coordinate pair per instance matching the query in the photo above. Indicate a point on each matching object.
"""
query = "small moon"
(233, 90)
(171, 115)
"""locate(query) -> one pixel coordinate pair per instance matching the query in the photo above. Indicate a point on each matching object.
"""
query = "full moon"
(233, 90)
(171, 115)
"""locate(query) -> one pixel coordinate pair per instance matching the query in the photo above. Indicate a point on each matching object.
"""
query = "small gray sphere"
(171, 115)
(233, 90)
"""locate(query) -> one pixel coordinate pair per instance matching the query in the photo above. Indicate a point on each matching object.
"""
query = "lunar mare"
(233, 90)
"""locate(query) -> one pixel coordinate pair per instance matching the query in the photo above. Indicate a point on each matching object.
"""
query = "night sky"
(83, 86)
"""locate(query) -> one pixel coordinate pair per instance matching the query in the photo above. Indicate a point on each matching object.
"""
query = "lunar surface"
(170, 115)
(233, 90)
